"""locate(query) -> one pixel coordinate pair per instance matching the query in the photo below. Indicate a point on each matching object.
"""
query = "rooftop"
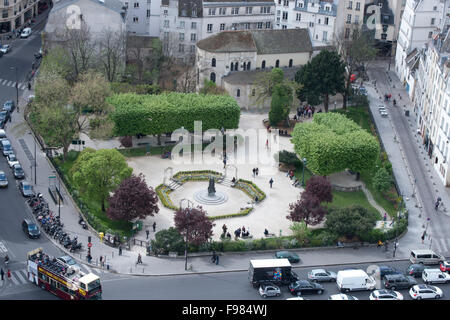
(249, 77)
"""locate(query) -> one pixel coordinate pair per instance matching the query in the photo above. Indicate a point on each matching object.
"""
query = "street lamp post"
(35, 163)
(189, 207)
(59, 194)
(303, 171)
(17, 85)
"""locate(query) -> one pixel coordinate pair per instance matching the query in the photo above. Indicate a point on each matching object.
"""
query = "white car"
(269, 291)
(342, 296)
(2, 134)
(5, 48)
(25, 33)
(435, 276)
(385, 294)
(424, 291)
(12, 160)
(296, 298)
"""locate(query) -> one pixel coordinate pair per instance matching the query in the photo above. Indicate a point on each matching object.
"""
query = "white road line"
(9, 83)
(89, 270)
(3, 248)
(23, 279)
(4, 82)
(14, 278)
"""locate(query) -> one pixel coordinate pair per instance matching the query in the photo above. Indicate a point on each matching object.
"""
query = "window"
(327, 8)
(268, 25)
(213, 62)
(358, 4)
(263, 64)
(235, 10)
(126, 4)
(194, 12)
(182, 24)
(232, 66)
(277, 64)
(248, 10)
(193, 37)
(284, 26)
(193, 25)
(181, 36)
(238, 93)
(166, 35)
(166, 12)
(298, 17)
(148, 13)
(347, 33)
(222, 26)
(286, 3)
(432, 21)
(6, 3)
(324, 36)
(135, 19)
(166, 23)
(290, 63)
(247, 25)
(265, 10)
(326, 21)
(212, 77)
(212, 11)
(319, 21)
(5, 14)
(248, 65)
(350, 5)
(136, 4)
(356, 19)
(222, 11)
(430, 34)
(285, 15)
(192, 48)
(311, 24)
(180, 47)
(259, 25)
(349, 18)
(209, 27)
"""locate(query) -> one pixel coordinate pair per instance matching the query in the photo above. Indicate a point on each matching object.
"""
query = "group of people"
(255, 172)
(305, 111)
(240, 232)
(291, 175)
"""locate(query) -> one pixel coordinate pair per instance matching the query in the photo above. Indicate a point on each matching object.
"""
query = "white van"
(435, 276)
(351, 280)
(425, 256)
(25, 33)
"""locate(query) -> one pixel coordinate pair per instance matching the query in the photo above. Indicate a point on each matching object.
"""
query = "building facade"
(15, 13)
(185, 22)
(317, 16)
(232, 59)
(432, 103)
(143, 17)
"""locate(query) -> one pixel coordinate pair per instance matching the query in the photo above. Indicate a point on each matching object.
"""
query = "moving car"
(304, 287)
(12, 160)
(291, 256)
(444, 266)
(415, 270)
(424, 291)
(351, 280)
(384, 294)
(3, 180)
(321, 275)
(9, 106)
(435, 276)
(26, 189)
(30, 229)
(25, 33)
(385, 270)
(5, 48)
(271, 271)
(398, 281)
(341, 296)
(69, 261)
(269, 291)
(18, 171)
(425, 256)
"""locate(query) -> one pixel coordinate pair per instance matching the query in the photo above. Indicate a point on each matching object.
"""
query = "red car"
(445, 266)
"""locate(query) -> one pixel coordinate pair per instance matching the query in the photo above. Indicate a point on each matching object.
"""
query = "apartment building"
(143, 17)
(317, 16)
(14, 13)
(432, 102)
(421, 20)
(184, 22)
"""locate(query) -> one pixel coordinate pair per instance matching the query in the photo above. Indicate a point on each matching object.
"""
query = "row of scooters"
(51, 224)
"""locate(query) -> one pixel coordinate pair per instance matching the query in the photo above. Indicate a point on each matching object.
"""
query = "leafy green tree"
(321, 77)
(210, 87)
(300, 231)
(351, 221)
(90, 92)
(280, 104)
(51, 88)
(169, 240)
(97, 173)
(382, 180)
(265, 84)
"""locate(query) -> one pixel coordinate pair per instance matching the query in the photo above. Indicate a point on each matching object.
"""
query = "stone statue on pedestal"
(211, 188)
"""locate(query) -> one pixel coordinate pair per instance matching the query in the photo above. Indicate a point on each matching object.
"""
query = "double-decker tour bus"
(64, 281)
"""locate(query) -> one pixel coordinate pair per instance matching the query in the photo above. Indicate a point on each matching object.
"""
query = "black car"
(385, 270)
(415, 270)
(398, 281)
(304, 287)
(30, 229)
(18, 172)
(26, 189)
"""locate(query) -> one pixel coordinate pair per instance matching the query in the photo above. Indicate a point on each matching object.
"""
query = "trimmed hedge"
(158, 114)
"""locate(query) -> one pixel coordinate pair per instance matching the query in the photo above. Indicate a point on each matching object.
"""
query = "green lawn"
(342, 199)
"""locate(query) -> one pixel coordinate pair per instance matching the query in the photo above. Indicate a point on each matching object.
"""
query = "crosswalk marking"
(23, 278)
(9, 83)
(3, 248)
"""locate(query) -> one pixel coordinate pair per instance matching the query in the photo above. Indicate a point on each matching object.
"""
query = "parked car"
(444, 266)
(3, 180)
(9, 106)
(351, 280)
(398, 281)
(415, 270)
(385, 270)
(2, 134)
(384, 294)
(424, 291)
(5, 48)
(296, 298)
(4, 117)
(269, 291)
(291, 256)
(26, 189)
(12, 160)
(69, 261)
(18, 172)
(301, 287)
(321, 275)
(30, 229)
(6, 147)
(25, 33)
(425, 256)
(342, 296)
(435, 276)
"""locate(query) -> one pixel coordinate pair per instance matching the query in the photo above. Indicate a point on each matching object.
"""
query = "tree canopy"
(194, 225)
(280, 104)
(350, 222)
(307, 209)
(332, 143)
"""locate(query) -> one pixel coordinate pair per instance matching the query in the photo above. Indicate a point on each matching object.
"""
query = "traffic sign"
(89, 245)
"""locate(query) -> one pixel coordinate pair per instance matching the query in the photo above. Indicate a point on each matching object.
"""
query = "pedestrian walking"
(224, 162)
(257, 171)
(423, 236)
(271, 182)
(29, 86)
(147, 232)
(154, 226)
(224, 228)
(214, 257)
(254, 172)
(120, 250)
(139, 259)
(217, 259)
(2, 274)
(385, 216)
(379, 244)
(267, 144)
(101, 261)
(9, 274)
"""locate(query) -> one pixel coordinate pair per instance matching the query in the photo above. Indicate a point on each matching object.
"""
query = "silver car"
(269, 291)
(3, 180)
(321, 275)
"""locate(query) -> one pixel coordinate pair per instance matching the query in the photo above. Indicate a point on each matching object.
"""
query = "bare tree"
(111, 53)
(144, 57)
